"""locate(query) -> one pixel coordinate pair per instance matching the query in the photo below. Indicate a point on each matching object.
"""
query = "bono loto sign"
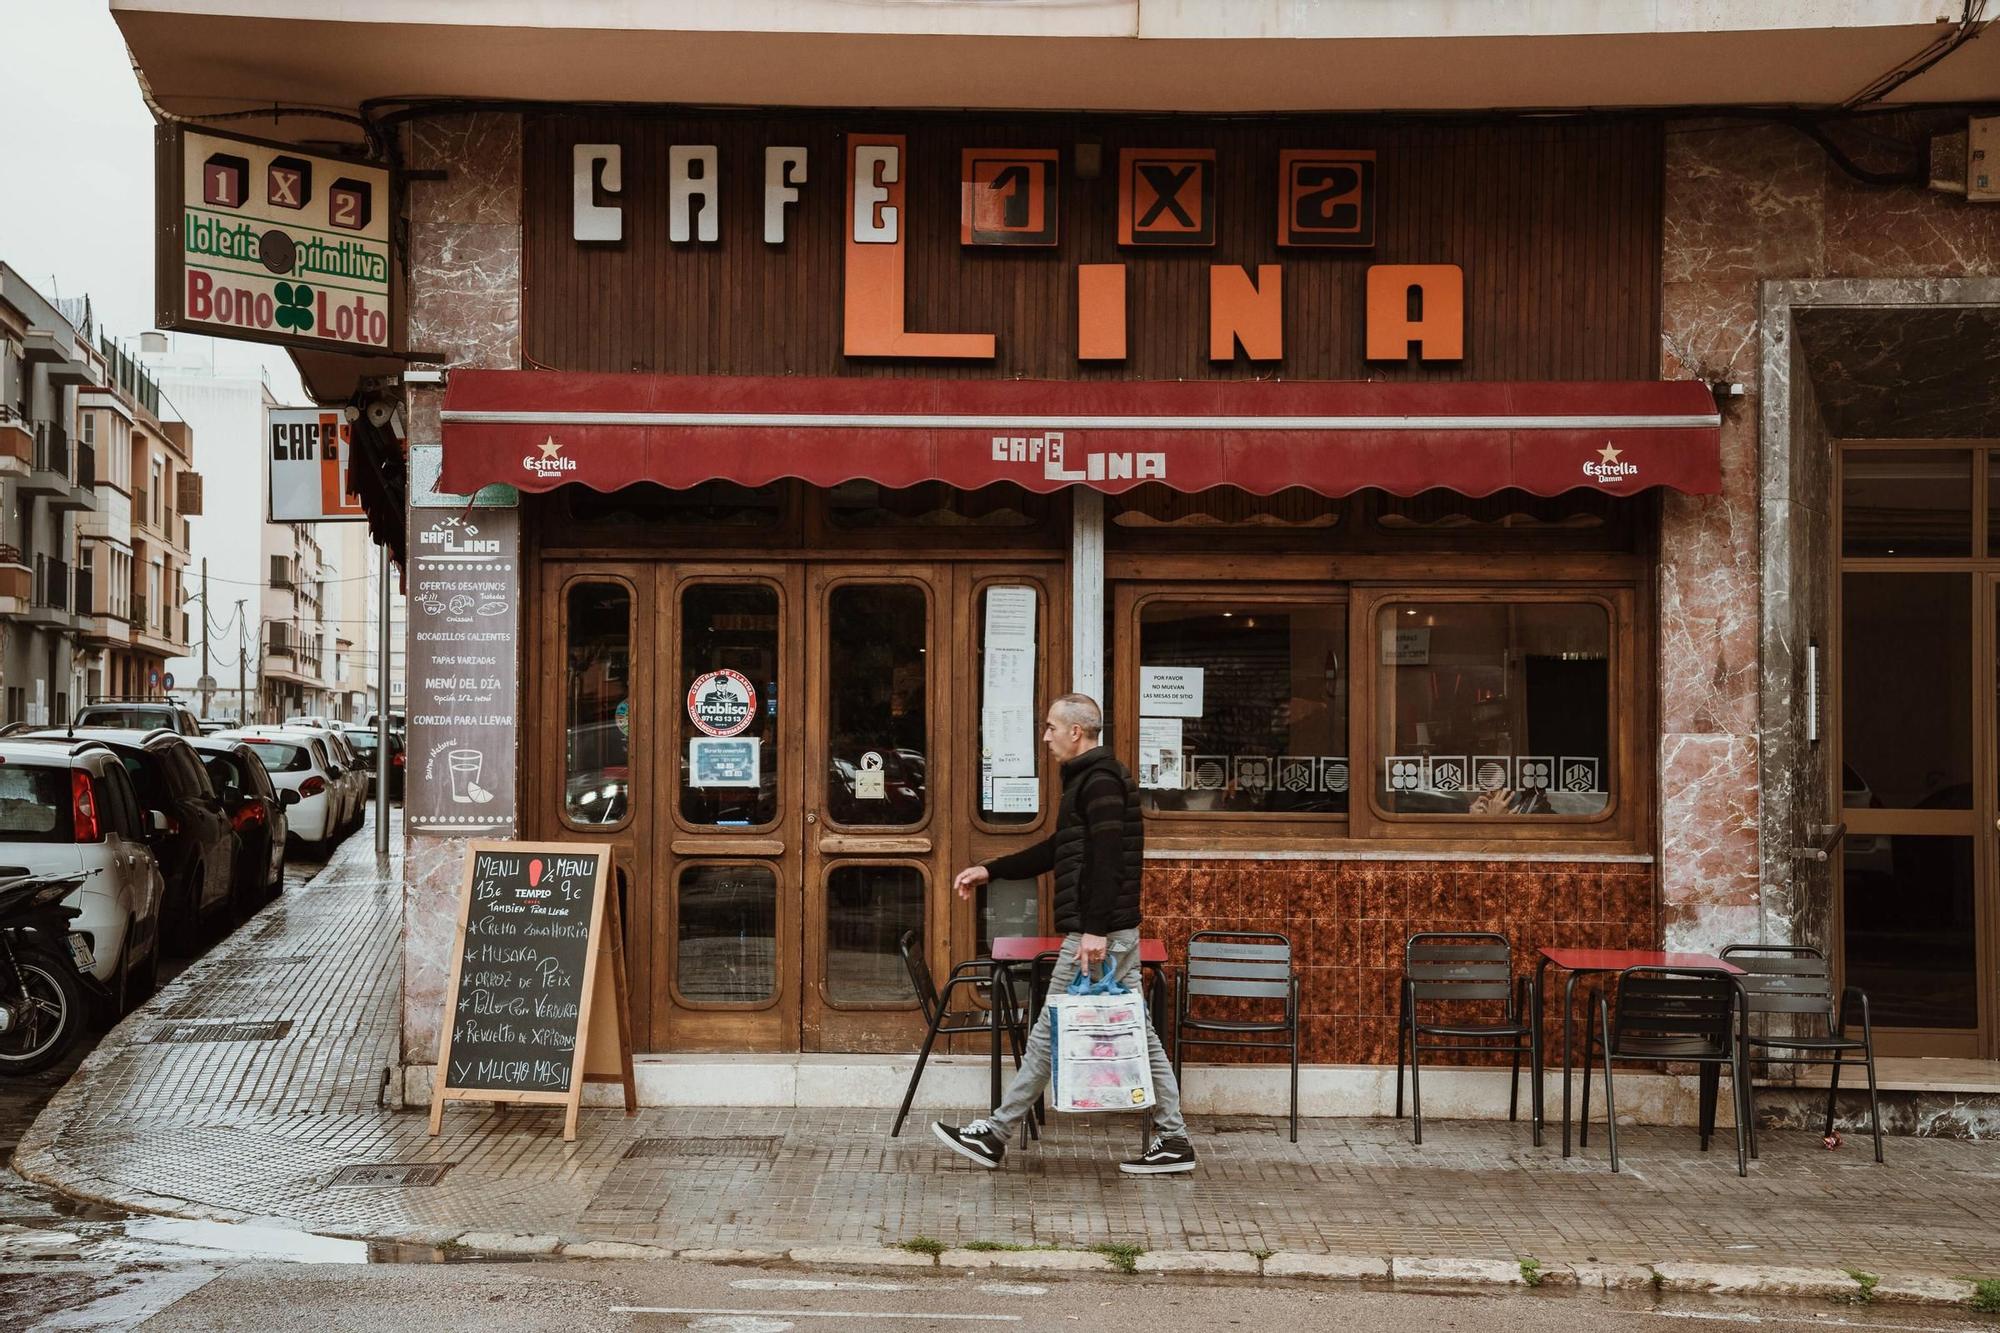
(261, 241)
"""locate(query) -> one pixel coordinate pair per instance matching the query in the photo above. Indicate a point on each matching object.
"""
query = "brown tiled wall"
(1348, 919)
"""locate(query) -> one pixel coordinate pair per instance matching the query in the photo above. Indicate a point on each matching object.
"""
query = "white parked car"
(295, 764)
(346, 765)
(68, 807)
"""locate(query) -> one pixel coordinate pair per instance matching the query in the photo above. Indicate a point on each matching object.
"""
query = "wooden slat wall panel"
(1557, 227)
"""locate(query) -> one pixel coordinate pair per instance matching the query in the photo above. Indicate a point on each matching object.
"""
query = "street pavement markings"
(1788, 1317)
(811, 1284)
(817, 1314)
(729, 1323)
(1012, 1289)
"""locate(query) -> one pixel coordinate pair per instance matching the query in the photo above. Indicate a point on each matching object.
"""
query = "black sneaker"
(977, 1141)
(1166, 1156)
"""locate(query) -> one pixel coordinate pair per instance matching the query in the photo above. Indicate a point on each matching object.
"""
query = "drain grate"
(741, 1148)
(392, 1175)
(267, 1030)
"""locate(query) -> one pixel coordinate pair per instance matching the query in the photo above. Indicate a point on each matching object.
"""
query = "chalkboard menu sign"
(535, 1009)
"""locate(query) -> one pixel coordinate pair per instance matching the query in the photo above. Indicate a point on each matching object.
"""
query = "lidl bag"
(1101, 1063)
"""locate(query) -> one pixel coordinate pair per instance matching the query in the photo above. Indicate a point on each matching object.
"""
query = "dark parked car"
(186, 827)
(363, 740)
(257, 811)
(137, 713)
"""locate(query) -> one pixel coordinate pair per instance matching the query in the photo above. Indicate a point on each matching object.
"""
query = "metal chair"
(940, 1018)
(1796, 980)
(1239, 965)
(1686, 1015)
(1463, 967)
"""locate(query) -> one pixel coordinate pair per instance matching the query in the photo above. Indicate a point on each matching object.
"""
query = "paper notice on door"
(1015, 796)
(1160, 753)
(1010, 676)
(871, 781)
(1010, 617)
(1170, 691)
(1007, 740)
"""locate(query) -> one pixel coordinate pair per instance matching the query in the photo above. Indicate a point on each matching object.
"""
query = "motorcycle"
(43, 985)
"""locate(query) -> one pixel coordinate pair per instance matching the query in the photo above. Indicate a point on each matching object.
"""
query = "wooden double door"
(788, 758)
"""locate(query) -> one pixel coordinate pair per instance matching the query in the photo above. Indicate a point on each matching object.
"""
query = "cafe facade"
(1397, 485)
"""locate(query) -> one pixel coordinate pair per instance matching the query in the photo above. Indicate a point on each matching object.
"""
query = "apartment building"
(133, 550)
(270, 646)
(47, 479)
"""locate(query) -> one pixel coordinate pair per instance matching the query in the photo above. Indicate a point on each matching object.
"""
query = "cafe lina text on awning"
(537, 430)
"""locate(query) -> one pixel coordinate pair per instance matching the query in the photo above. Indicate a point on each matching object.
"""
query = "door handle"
(1826, 837)
(813, 818)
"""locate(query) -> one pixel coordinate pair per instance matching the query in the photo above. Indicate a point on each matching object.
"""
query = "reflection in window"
(1906, 690)
(597, 767)
(1269, 733)
(877, 721)
(1906, 502)
(1154, 504)
(1493, 709)
(1911, 935)
(726, 928)
(1006, 672)
(868, 908)
(1516, 510)
(730, 781)
(1007, 907)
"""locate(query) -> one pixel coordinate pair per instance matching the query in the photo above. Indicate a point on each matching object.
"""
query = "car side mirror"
(156, 821)
(288, 796)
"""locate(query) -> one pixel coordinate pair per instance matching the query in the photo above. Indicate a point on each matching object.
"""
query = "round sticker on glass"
(622, 716)
(721, 703)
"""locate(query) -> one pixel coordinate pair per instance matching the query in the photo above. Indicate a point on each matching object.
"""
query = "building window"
(1495, 709)
(597, 765)
(89, 424)
(1242, 705)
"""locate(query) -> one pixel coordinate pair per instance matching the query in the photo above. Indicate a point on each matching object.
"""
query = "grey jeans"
(1034, 1072)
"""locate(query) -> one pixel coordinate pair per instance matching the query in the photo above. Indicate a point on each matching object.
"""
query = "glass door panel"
(730, 934)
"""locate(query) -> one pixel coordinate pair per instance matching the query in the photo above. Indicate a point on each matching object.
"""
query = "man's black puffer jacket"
(1097, 850)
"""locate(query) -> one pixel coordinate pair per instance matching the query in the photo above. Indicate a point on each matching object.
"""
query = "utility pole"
(207, 682)
(382, 702)
(242, 668)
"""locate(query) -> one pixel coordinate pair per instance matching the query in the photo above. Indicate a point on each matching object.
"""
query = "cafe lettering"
(1010, 198)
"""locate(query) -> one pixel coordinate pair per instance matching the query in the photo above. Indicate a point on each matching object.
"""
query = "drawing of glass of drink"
(464, 766)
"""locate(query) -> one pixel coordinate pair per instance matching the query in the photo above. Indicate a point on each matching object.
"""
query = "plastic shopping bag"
(1098, 1031)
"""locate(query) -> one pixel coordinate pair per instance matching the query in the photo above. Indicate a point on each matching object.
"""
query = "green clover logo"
(294, 306)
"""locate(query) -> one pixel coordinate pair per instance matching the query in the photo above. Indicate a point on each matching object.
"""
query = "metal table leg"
(1537, 1057)
(1569, 1013)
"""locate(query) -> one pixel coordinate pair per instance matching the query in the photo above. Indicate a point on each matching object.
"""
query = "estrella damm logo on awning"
(1326, 197)
(1166, 196)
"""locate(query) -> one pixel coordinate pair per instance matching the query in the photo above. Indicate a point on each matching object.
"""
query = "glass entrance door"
(1917, 747)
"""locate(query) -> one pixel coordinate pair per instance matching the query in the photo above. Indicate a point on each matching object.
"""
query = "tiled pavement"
(261, 1128)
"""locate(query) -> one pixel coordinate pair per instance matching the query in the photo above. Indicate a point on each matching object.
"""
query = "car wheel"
(277, 884)
(142, 987)
(53, 1017)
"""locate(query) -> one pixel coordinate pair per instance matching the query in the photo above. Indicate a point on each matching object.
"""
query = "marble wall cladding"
(1709, 873)
(464, 244)
(1348, 921)
(433, 871)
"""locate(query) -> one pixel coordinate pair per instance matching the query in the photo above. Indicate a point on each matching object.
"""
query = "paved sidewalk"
(256, 1123)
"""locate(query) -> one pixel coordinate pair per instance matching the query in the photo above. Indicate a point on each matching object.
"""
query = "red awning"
(541, 429)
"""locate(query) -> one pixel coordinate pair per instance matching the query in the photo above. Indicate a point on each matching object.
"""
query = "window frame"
(1129, 603)
(781, 922)
(1624, 828)
(632, 740)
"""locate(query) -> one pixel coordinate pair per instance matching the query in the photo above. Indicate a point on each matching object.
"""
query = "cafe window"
(1242, 705)
(1154, 505)
(869, 505)
(1006, 674)
(1492, 709)
(597, 722)
(726, 933)
(709, 504)
(877, 709)
(731, 691)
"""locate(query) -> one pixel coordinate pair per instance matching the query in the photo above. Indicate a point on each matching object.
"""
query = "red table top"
(1617, 960)
(1024, 948)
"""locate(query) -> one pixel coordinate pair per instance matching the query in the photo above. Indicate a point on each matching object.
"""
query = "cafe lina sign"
(264, 242)
(1012, 198)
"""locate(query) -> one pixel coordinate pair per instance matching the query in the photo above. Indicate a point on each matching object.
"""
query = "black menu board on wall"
(535, 1007)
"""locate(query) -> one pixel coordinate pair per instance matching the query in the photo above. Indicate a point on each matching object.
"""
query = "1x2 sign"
(537, 1004)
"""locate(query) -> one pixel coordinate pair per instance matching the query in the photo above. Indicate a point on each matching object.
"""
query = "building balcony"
(17, 443)
(50, 603)
(17, 582)
(52, 472)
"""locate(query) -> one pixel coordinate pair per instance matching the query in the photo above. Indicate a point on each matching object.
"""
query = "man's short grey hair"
(1080, 710)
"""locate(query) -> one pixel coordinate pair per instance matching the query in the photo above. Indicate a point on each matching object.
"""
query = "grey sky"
(76, 171)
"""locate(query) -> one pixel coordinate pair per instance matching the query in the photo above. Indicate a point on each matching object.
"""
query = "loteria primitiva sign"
(263, 241)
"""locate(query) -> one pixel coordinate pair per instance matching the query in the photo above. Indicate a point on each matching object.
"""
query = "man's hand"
(1090, 951)
(969, 879)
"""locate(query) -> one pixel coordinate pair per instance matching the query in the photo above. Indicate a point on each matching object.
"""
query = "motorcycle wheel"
(54, 1016)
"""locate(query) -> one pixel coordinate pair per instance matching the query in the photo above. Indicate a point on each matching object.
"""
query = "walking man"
(1096, 853)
